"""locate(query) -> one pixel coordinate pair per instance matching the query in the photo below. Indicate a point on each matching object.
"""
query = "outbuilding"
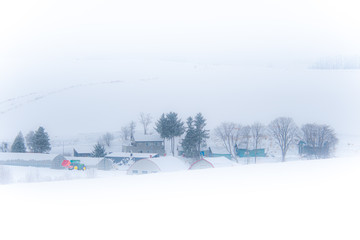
(160, 164)
(212, 162)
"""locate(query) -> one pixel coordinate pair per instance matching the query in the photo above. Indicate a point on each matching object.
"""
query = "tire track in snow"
(17, 102)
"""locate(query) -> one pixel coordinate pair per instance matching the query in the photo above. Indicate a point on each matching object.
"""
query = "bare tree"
(4, 147)
(284, 131)
(132, 126)
(125, 133)
(246, 130)
(30, 140)
(319, 140)
(229, 134)
(107, 138)
(257, 133)
(145, 120)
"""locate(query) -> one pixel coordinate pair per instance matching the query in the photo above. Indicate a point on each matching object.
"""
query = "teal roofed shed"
(251, 153)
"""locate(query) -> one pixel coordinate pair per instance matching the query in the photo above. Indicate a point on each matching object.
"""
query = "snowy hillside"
(298, 199)
(294, 200)
(79, 73)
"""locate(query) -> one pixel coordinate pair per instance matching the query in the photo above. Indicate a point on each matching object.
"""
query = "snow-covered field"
(298, 199)
(317, 199)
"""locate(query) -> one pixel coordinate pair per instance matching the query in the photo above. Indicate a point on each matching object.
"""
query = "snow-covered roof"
(165, 164)
(147, 138)
(8, 156)
(220, 162)
(216, 149)
(169, 163)
(126, 154)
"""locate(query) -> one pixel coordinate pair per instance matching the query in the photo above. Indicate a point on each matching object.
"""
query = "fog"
(93, 66)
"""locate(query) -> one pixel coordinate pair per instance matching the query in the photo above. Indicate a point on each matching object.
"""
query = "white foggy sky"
(227, 50)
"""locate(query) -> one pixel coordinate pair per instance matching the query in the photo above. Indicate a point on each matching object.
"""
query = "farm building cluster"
(142, 155)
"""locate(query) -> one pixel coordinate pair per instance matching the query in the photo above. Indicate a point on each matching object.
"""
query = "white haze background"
(93, 66)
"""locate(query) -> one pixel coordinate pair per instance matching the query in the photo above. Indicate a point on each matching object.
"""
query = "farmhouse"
(145, 144)
(211, 162)
(154, 165)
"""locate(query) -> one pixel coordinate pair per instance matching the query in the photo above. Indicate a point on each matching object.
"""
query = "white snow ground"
(309, 199)
(316, 199)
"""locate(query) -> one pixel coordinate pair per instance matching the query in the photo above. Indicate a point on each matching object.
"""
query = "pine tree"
(19, 144)
(200, 133)
(189, 142)
(99, 150)
(195, 137)
(161, 127)
(169, 127)
(41, 141)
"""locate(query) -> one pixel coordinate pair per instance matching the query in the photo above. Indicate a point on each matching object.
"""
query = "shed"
(154, 165)
(83, 151)
(212, 162)
(241, 152)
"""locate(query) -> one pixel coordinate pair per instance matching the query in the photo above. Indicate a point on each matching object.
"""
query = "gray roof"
(147, 138)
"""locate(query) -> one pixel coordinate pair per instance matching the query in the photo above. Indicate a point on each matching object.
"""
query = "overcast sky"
(88, 66)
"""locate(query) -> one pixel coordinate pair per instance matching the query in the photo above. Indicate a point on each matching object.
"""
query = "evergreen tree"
(161, 127)
(19, 144)
(99, 150)
(41, 141)
(200, 133)
(189, 142)
(195, 137)
(169, 127)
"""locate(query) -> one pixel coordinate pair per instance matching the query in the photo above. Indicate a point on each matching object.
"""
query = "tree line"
(314, 140)
(36, 142)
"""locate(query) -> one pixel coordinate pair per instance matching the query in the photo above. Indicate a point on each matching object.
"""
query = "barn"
(212, 162)
(160, 164)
